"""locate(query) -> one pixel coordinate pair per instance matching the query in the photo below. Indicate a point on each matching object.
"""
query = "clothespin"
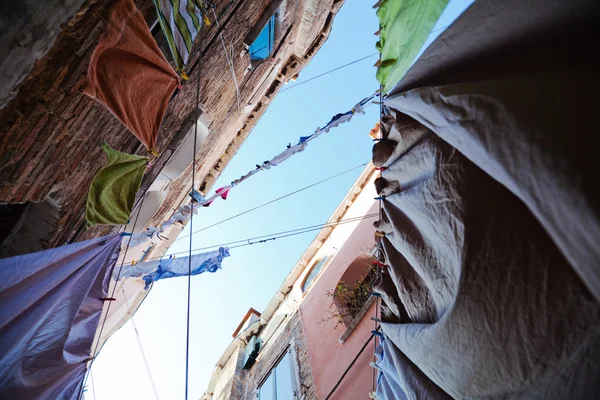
(377, 33)
(376, 294)
(125, 234)
(380, 198)
(153, 152)
(133, 262)
(380, 168)
(107, 299)
(87, 360)
(377, 333)
(378, 63)
(377, 263)
(379, 139)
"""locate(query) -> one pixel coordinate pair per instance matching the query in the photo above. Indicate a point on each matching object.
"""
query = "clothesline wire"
(327, 72)
(274, 200)
(278, 235)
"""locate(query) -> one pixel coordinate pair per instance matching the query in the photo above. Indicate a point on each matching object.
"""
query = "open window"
(262, 47)
(260, 42)
(282, 382)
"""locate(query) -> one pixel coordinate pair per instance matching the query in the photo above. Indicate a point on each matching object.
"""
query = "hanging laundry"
(173, 267)
(221, 192)
(304, 139)
(290, 151)
(129, 75)
(50, 307)
(112, 192)
(183, 214)
(338, 120)
(405, 26)
(180, 22)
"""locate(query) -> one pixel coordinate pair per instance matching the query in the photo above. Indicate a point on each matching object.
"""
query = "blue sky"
(252, 274)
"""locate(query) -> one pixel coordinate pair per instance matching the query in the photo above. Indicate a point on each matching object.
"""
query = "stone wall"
(51, 133)
(290, 333)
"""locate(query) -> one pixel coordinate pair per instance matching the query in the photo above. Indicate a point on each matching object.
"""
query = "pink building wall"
(329, 359)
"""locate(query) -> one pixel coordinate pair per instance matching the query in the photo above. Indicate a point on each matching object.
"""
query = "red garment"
(222, 191)
(129, 75)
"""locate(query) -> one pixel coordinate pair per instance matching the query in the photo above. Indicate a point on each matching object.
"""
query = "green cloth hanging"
(112, 193)
(405, 25)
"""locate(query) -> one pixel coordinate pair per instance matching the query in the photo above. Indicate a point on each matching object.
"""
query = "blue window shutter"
(263, 45)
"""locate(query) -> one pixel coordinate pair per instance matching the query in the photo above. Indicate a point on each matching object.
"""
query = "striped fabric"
(181, 21)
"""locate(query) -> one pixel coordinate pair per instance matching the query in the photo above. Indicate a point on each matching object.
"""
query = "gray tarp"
(492, 217)
(50, 305)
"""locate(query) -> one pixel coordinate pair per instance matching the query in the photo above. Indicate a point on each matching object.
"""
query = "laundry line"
(273, 201)
(185, 211)
(272, 236)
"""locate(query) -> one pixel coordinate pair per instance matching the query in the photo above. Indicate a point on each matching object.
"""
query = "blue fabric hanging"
(50, 307)
(172, 267)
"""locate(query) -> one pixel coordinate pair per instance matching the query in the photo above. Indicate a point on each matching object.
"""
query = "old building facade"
(305, 341)
(51, 132)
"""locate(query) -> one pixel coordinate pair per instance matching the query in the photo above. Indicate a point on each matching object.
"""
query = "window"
(281, 383)
(262, 47)
(314, 271)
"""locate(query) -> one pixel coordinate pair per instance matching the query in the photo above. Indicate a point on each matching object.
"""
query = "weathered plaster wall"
(28, 29)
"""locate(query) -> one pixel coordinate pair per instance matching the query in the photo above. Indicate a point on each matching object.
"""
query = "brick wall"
(51, 132)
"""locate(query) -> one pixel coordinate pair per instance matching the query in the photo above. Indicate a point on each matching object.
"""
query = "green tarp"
(405, 26)
(112, 193)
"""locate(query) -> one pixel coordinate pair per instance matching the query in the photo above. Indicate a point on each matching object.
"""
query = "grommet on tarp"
(380, 198)
(125, 234)
(107, 299)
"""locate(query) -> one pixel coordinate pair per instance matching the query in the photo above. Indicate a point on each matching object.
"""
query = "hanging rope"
(274, 200)
(139, 341)
(112, 295)
(229, 61)
(189, 282)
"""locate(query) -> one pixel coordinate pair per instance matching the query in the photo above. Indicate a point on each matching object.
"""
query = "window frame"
(326, 260)
(294, 370)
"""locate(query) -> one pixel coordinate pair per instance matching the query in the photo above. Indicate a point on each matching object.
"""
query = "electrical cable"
(278, 235)
(327, 72)
(274, 200)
